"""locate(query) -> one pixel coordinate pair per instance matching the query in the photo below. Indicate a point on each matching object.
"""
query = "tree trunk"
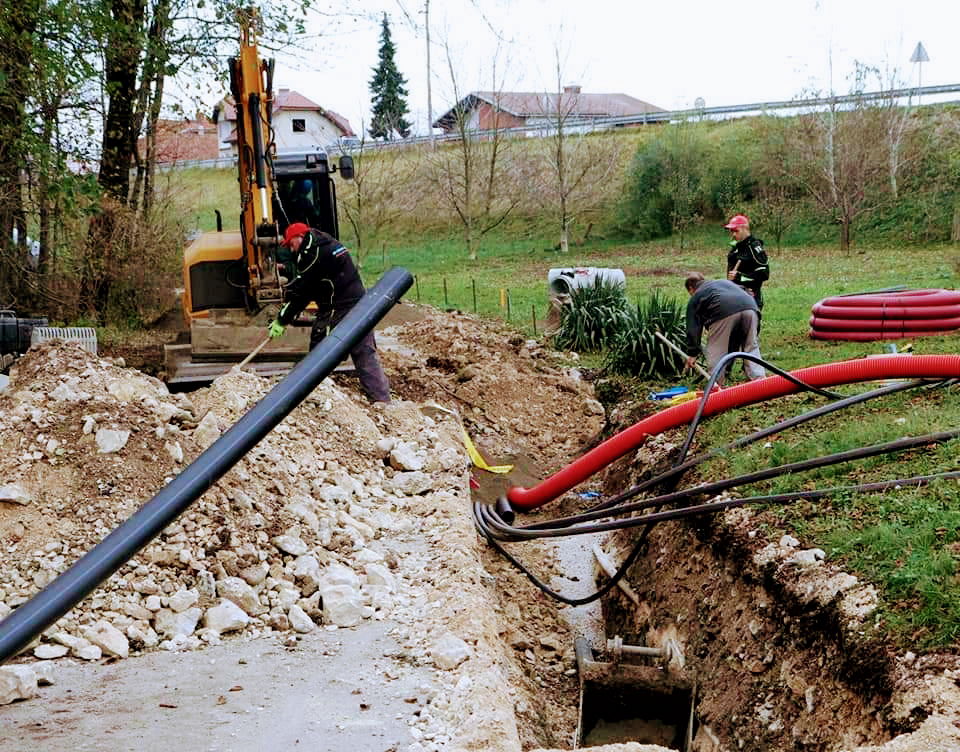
(122, 59)
(122, 63)
(18, 23)
(845, 234)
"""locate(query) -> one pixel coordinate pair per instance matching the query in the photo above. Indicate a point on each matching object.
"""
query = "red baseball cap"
(296, 230)
(737, 220)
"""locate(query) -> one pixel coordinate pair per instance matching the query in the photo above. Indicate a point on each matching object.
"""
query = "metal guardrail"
(598, 124)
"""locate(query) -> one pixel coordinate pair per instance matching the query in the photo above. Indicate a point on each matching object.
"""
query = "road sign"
(920, 54)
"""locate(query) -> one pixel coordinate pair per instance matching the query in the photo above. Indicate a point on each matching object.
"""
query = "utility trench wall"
(783, 647)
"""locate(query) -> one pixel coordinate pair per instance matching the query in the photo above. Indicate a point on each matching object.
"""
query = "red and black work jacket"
(326, 276)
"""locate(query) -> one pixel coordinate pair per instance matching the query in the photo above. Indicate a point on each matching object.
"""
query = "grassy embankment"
(907, 542)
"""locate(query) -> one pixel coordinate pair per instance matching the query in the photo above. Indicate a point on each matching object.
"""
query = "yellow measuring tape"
(478, 459)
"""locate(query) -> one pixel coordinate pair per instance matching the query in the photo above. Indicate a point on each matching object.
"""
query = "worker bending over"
(729, 314)
(327, 276)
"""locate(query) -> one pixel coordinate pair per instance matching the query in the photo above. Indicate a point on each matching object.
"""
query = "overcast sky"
(667, 53)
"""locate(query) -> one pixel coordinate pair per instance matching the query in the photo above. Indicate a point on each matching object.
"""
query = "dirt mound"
(510, 390)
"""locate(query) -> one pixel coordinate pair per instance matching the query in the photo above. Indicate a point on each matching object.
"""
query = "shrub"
(637, 351)
(593, 317)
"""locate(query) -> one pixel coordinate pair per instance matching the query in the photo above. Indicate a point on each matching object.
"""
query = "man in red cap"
(747, 261)
(747, 266)
(327, 276)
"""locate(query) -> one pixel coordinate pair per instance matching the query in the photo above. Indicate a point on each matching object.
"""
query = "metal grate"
(86, 337)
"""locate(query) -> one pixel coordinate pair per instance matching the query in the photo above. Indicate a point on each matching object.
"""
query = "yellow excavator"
(232, 283)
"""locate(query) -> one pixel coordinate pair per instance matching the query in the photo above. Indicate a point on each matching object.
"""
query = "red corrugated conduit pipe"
(830, 374)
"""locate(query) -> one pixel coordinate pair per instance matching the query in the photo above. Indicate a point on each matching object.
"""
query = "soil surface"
(330, 592)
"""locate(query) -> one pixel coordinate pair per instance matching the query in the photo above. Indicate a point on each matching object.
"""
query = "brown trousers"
(735, 333)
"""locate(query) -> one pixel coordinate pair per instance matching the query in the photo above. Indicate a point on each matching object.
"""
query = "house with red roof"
(299, 124)
(179, 141)
(485, 110)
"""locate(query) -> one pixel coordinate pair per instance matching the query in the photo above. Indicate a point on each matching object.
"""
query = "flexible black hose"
(648, 521)
(713, 507)
(30, 619)
(479, 513)
(757, 436)
(509, 532)
(716, 487)
(720, 368)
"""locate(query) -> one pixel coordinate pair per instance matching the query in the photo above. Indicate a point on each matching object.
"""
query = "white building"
(298, 124)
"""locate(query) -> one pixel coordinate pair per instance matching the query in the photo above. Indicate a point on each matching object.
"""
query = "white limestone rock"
(87, 652)
(207, 431)
(336, 573)
(17, 682)
(110, 440)
(14, 493)
(108, 638)
(412, 483)
(299, 620)
(236, 590)
(290, 544)
(378, 574)
(226, 616)
(342, 605)
(169, 623)
(306, 569)
(449, 652)
(406, 456)
(46, 673)
(153, 603)
(174, 450)
(183, 599)
(47, 651)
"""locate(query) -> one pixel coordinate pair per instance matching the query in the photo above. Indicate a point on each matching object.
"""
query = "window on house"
(299, 125)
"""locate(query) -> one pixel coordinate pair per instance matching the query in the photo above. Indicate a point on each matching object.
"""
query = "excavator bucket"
(225, 338)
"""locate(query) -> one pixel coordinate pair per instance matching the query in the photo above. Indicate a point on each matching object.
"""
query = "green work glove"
(275, 329)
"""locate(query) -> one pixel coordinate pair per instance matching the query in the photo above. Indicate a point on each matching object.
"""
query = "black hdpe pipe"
(30, 619)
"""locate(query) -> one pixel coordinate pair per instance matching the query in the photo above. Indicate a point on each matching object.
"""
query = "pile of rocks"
(306, 530)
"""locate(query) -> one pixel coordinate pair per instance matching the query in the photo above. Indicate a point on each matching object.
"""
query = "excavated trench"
(762, 645)
(726, 634)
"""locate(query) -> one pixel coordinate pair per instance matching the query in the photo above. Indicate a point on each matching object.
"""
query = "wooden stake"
(682, 354)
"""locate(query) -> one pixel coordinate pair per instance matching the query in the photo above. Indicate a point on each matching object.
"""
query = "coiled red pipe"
(869, 336)
(934, 326)
(903, 298)
(822, 310)
(830, 374)
(872, 316)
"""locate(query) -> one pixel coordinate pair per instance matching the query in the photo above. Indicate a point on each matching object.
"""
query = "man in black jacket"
(747, 261)
(326, 276)
(729, 314)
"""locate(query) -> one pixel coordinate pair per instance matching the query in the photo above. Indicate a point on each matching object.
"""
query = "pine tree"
(389, 92)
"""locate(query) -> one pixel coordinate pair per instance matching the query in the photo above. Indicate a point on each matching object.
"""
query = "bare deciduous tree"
(472, 174)
(840, 158)
(382, 189)
(578, 164)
